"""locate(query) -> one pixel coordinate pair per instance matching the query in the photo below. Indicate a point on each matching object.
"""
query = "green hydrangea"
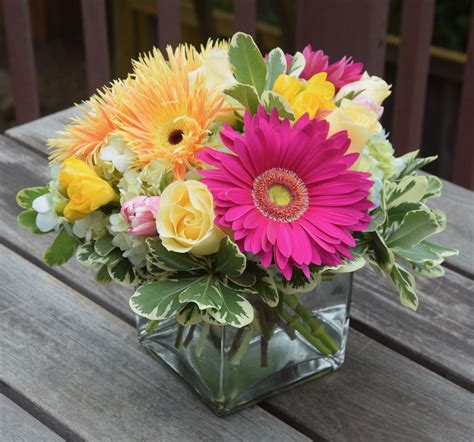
(381, 150)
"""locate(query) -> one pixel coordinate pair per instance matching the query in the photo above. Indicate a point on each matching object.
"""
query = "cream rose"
(185, 221)
(372, 87)
(358, 120)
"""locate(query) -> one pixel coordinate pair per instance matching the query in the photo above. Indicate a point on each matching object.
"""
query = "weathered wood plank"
(374, 301)
(457, 202)
(92, 363)
(84, 366)
(17, 425)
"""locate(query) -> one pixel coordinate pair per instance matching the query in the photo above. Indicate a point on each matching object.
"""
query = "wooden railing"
(356, 27)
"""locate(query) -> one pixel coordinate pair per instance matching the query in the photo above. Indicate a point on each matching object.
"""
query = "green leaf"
(87, 255)
(412, 163)
(276, 65)
(204, 294)
(27, 219)
(103, 246)
(436, 271)
(272, 100)
(357, 263)
(245, 94)
(415, 227)
(265, 285)
(25, 197)
(406, 285)
(440, 250)
(103, 276)
(230, 261)
(62, 249)
(297, 65)
(397, 213)
(434, 187)
(122, 272)
(378, 218)
(410, 189)
(189, 315)
(247, 61)
(172, 261)
(159, 299)
(235, 310)
(246, 279)
(380, 253)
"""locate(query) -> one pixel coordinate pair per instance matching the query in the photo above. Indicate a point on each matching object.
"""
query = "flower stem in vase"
(179, 336)
(242, 348)
(202, 338)
(189, 336)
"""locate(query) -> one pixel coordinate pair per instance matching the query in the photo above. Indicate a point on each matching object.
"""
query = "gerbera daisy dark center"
(175, 137)
(280, 195)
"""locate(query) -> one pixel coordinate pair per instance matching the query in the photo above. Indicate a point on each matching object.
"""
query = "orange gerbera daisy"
(167, 114)
(89, 132)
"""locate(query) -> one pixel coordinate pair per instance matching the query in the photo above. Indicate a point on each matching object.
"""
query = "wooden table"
(72, 368)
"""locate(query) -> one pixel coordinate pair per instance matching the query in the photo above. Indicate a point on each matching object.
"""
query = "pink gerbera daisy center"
(280, 195)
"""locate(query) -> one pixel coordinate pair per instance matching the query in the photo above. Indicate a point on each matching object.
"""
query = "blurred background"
(438, 27)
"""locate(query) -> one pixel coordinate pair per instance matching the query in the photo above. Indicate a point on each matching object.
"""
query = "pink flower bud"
(140, 213)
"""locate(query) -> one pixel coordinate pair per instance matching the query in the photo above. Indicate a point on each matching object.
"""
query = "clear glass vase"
(231, 368)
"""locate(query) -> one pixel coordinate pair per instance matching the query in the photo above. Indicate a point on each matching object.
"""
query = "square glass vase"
(232, 368)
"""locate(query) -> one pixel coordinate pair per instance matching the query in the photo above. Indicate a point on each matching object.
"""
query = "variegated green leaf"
(299, 283)
(247, 62)
(172, 261)
(441, 250)
(245, 94)
(415, 227)
(264, 286)
(357, 263)
(397, 213)
(276, 65)
(434, 187)
(410, 189)
(27, 219)
(87, 255)
(25, 197)
(378, 218)
(205, 294)
(380, 253)
(122, 272)
(159, 299)
(103, 246)
(230, 261)
(246, 279)
(189, 315)
(272, 100)
(62, 249)
(235, 309)
(436, 271)
(412, 163)
(297, 65)
(103, 276)
(406, 285)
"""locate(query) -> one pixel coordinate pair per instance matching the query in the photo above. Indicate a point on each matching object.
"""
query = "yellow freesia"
(84, 188)
(358, 120)
(185, 221)
(306, 97)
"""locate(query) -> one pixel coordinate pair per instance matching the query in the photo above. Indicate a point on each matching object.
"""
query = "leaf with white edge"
(441, 250)
(397, 213)
(410, 189)
(27, 219)
(272, 100)
(297, 65)
(378, 218)
(103, 276)
(276, 65)
(246, 279)
(123, 272)
(205, 294)
(380, 253)
(159, 299)
(434, 187)
(357, 263)
(154, 269)
(172, 261)
(25, 197)
(412, 163)
(406, 285)
(419, 254)
(265, 285)
(189, 315)
(440, 219)
(103, 246)
(414, 228)
(230, 261)
(235, 309)
(87, 255)
(245, 94)
(247, 62)
(299, 283)
(62, 249)
(428, 271)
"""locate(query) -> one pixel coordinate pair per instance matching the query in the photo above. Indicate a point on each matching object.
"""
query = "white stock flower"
(47, 219)
(91, 227)
(117, 153)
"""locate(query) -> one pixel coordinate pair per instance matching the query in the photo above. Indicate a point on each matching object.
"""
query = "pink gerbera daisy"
(287, 192)
(340, 73)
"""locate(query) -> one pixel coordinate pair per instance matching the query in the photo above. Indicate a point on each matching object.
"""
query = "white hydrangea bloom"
(130, 186)
(117, 153)
(91, 227)
(381, 149)
(155, 176)
(47, 218)
(133, 247)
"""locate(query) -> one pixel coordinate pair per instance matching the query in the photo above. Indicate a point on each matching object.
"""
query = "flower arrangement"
(217, 181)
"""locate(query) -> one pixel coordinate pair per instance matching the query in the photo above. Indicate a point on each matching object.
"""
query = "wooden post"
(96, 43)
(463, 170)
(412, 74)
(245, 16)
(345, 27)
(169, 23)
(21, 60)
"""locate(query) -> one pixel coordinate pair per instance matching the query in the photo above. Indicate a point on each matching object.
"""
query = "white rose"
(374, 88)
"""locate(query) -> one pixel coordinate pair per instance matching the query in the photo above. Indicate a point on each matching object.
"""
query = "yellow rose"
(306, 97)
(84, 188)
(359, 121)
(185, 221)
(371, 87)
